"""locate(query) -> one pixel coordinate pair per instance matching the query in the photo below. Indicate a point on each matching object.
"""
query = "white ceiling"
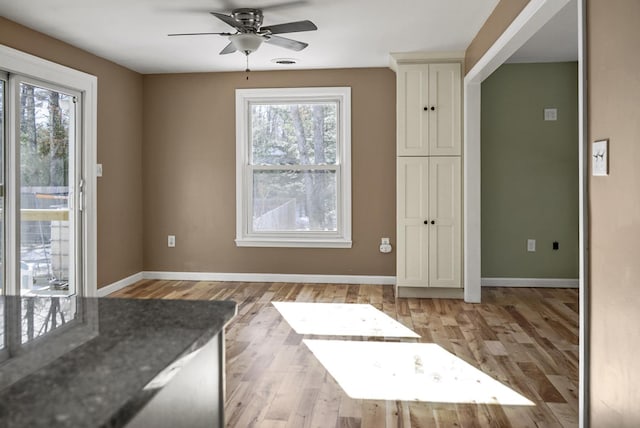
(351, 33)
(556, 41)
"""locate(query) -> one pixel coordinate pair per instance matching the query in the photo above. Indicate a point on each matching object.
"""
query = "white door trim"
(14, 61)
(527, 23)
(531, 19)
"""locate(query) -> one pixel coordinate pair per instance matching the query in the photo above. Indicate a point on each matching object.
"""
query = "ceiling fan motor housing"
(249, 20)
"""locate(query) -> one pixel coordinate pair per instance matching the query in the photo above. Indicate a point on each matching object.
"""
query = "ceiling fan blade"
(228, 49)
(290, 27)
(198, 34)
(226, 19)
(283, 42)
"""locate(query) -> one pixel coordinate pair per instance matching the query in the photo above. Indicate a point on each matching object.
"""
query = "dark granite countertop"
(85, 362)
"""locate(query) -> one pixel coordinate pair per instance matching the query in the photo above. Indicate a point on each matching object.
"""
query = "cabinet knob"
(432, 108)
(426, 108)
(426, 222)
(433, 222)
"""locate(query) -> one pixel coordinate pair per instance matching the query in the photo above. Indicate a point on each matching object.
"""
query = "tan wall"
(119, 148)
(501, 17)
(189, 174)
(614, 113)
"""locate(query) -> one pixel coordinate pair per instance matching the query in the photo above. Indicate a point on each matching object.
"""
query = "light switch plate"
(600, 158)
(551, 114)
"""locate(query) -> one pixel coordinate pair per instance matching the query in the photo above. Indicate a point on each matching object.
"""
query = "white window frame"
(244, 172)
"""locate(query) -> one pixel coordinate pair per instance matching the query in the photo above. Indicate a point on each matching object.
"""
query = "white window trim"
(14, 61)
(342, 239)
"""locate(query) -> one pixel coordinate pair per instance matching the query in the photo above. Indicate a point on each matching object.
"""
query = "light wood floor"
(525, 338)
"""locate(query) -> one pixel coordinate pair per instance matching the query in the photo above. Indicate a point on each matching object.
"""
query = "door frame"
(17, 62)
(532, 18)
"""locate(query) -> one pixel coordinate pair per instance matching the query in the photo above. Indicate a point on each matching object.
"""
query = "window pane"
(46, 121)
(294, 201)
(294, 134)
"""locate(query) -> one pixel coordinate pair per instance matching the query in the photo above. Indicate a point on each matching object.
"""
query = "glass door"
(47, 175)
(3, 133)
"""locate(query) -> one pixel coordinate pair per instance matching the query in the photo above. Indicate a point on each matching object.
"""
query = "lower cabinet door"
(445, 222)
(428, 222)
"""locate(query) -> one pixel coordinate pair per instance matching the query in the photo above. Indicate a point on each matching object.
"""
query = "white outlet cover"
(99, 170)
(531, 245)
(600, 158)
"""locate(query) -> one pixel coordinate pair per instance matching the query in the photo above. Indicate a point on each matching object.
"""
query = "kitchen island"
(107, 362)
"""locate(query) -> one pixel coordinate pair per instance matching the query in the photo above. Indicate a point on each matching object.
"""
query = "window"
(293, 183)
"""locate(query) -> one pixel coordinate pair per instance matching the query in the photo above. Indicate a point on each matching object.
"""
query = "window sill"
(295, 243)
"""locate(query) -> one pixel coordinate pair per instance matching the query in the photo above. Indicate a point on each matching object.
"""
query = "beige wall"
(501, 17)
(614, 113)
(119, 148)
(189, 174)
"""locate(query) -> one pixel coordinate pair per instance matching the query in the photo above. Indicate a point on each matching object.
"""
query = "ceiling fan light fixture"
(246, 42)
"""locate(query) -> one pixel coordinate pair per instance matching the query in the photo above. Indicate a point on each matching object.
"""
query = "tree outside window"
(294, 158)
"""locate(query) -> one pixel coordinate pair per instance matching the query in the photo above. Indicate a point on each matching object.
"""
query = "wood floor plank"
(525, 338)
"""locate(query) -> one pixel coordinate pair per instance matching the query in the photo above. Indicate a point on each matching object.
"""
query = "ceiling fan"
(250, 33)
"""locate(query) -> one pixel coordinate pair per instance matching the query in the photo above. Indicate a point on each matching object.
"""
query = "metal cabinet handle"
(433, 222)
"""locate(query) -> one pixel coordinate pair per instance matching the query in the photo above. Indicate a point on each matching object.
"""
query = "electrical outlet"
(385, 246)
(98, 170)
(531, 245)
(171, 241)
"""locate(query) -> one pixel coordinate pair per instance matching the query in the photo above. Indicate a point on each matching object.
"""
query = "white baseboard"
(118, 285)
(531, 282)
(271, 277)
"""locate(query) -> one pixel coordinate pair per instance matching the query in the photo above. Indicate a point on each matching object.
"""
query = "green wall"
(530, 171)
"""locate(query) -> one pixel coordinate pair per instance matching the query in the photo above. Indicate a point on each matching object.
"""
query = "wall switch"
(551, 114)
(531, 245)
(99, 170)
(171, 241)
(600, 158)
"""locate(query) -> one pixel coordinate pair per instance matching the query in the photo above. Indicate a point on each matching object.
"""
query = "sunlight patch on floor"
(408, 372)
(341, 319)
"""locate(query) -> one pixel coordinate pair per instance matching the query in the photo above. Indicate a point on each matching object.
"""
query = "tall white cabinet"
(429, 177)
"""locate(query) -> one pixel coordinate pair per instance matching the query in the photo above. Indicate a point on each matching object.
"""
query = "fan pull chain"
(247, 70)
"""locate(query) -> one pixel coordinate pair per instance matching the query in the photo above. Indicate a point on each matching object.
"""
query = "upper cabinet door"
(412, 110)
(428, 110)
(444, 110)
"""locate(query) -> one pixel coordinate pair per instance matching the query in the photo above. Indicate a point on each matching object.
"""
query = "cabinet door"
(412, 210)
(412, 118)
(444, 119)
(445, 213)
